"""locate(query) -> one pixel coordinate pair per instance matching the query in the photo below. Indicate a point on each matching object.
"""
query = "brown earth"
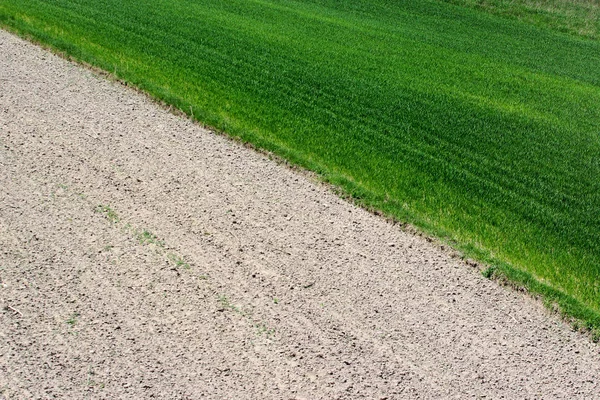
(142, 256)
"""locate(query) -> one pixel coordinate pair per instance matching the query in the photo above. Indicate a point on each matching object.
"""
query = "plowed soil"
(142, 256)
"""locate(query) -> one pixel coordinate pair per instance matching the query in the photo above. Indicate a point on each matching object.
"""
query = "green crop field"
(480, 129)
(579, 17)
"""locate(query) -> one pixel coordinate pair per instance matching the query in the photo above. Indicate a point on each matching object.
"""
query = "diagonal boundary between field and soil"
(142, 255)
(573, 311)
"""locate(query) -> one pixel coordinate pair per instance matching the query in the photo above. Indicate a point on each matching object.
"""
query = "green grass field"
(482, 130)
(579, 17)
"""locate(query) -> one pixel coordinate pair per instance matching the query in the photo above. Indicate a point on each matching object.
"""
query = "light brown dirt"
(291, 293)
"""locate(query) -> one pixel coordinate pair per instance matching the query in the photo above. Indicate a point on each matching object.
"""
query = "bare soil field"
(142, 256)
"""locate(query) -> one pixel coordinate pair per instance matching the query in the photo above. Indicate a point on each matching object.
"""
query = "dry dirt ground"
(142, 256)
